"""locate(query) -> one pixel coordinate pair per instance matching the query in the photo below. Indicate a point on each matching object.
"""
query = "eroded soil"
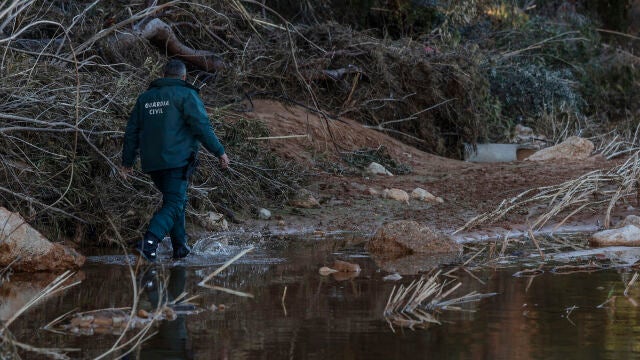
(467, 188)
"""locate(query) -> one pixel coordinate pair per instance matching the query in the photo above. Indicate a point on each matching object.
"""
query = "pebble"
(264, 214)
(392, 277)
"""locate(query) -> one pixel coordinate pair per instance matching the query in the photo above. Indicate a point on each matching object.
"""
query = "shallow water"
(547, 317)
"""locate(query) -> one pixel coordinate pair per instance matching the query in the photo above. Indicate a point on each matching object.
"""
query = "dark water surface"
(329, 318)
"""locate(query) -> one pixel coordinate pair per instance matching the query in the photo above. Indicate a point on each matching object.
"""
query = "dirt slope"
(468, 189)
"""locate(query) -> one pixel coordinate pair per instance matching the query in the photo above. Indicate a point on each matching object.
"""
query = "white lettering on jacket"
(155, 107)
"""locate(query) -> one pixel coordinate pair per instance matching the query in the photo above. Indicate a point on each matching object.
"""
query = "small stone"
(376, 169)
(325, 271)
(343, 266)
(392, 277)
(213, 307)
(281, 223)
(214, 222)
(304, 200)
(424, 195)
(142, 313)
(264, 214)
(396, 194)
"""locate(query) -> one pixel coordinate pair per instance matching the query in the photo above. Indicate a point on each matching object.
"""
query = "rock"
(418, 263)
(573, 148)
(396, 194)
(33, 251)
(343, 266)
(392, 277)
(424, 195)
(630, 220)
(304, 199)
(214, 222)
(404, 237)
(264, 214)
(376, 169)
(372, 191)
(325, 271)
(628, 235)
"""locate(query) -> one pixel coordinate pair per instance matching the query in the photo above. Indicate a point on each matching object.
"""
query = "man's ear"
(184, 77)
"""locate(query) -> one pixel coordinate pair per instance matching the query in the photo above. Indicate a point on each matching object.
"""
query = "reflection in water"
(171, 340)
(330, 319)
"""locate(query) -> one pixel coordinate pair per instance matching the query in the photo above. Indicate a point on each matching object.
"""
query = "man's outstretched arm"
(197, 119)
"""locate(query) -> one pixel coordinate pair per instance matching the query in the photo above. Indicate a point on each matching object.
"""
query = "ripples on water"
(544, 317)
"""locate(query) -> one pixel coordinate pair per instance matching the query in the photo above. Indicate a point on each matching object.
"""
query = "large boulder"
(573, 148)
(402, 237)
(628, 235)
(30, 250)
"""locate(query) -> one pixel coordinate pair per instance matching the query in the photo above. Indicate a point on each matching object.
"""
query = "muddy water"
(546, 317)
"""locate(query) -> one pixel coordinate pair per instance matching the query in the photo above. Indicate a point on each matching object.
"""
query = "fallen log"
(160, 34)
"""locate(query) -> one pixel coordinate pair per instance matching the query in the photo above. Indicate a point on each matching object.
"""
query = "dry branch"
(596, 190)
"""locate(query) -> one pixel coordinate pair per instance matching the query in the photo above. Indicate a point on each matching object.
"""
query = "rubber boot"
(147, 247)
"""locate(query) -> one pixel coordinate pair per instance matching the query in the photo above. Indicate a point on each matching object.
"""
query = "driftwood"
(160, 34)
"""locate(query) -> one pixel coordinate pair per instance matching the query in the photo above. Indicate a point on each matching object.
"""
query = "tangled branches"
(64, 101)
(593, 190)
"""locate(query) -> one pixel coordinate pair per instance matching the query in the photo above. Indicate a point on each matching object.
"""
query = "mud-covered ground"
(468, 189)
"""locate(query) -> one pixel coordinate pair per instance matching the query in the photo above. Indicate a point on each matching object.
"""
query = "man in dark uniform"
(167, 126)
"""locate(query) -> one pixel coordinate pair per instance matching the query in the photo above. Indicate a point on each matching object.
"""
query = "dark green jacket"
(167, 125)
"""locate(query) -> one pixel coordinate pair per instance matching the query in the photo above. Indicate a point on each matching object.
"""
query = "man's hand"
(124, 171)
(224, 161)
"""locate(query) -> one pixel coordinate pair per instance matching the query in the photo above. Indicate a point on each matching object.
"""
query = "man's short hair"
(175, 69)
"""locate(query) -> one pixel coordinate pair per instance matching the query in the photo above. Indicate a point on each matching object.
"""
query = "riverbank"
(468, 189)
